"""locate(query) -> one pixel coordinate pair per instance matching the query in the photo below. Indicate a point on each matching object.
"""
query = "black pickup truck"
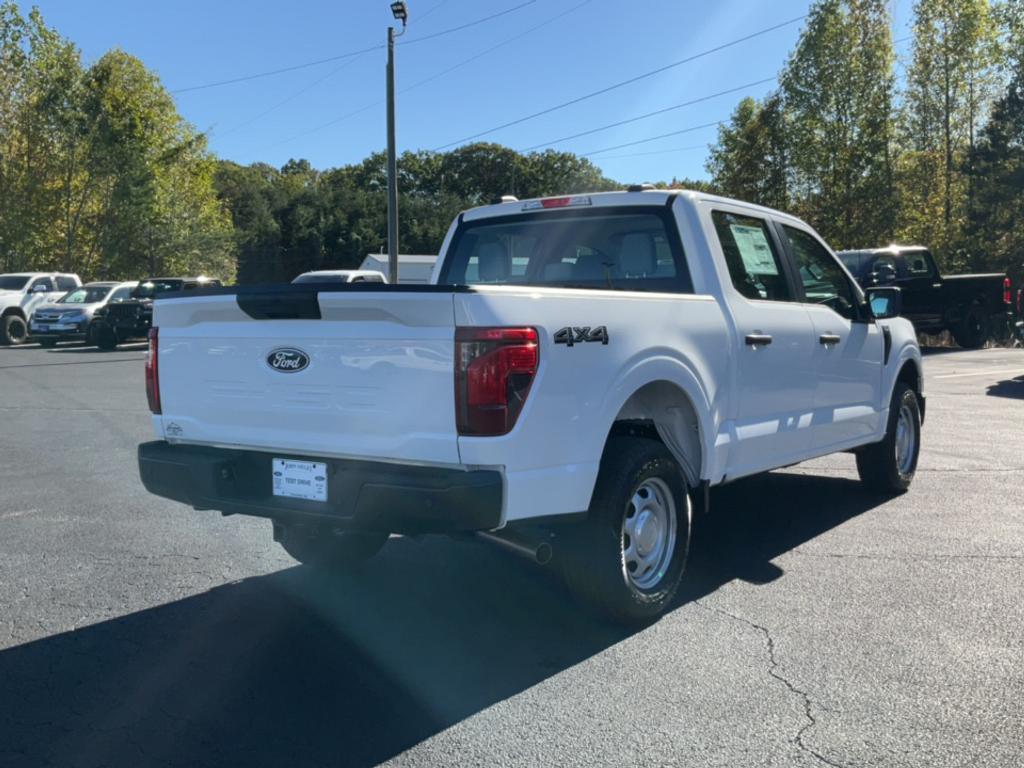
(973, 308)
(132, 319)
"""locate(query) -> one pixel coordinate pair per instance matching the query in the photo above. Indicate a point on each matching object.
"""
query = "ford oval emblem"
(288, 360)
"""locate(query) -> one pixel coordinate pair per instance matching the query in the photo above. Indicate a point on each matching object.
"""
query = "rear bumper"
(361, 495)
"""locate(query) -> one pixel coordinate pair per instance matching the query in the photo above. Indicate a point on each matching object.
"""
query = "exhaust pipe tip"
(543, 554)
(540, 552)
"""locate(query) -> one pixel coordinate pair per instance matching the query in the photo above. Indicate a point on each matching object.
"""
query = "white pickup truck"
(579, 373)
(21, 293)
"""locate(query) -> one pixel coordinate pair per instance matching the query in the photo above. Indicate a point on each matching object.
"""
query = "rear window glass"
(625, 250)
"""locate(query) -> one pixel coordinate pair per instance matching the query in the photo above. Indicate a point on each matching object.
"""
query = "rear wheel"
(13, 330)
(973, 331)
(889, 466)
(323, 548)
(627, 559)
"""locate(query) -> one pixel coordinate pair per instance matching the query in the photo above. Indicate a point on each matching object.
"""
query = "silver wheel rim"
(905, 440)
(648, 534)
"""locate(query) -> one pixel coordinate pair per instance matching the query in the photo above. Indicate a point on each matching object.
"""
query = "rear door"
(847, 348)
(774, 384)
(343, 372)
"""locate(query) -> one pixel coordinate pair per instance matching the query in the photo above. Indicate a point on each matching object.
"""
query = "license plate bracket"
(295, 479)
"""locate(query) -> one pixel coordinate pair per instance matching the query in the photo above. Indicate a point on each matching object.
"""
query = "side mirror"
(885, 302)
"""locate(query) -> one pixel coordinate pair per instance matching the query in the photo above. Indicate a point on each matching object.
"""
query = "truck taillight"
(153, 371)
(494, 369)
(1007, 293)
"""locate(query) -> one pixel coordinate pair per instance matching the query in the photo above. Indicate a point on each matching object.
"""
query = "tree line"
(938, 161)
(99, 174)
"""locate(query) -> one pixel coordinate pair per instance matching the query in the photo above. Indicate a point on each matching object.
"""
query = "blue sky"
(547, 53)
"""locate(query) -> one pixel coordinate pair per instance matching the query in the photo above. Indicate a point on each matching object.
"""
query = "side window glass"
(754, 266)
(121, 294)
(823, 279)
(45, 281)
(66, 284)
(917, 265)
(883, 270)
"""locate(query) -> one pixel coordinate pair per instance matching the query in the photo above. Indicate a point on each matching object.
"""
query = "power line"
(650, 114)
(436, 75)
(656, 152)
(294, 95)
(652, 138)
(623, 83)
(349, 54)
(281, 71)
(467, 25)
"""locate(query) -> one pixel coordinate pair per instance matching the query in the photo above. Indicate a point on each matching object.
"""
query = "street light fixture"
(401, 13)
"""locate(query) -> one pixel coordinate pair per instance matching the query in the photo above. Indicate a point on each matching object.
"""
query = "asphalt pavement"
(820, 624)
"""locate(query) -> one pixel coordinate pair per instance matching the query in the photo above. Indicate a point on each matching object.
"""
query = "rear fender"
(648, 390)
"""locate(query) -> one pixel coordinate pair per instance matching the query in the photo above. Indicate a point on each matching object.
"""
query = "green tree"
(749, 159)
(995, 224)
(951, 82)
(838, 91)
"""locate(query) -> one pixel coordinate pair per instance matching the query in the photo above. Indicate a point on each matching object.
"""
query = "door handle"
(758, 339)
(829, 338)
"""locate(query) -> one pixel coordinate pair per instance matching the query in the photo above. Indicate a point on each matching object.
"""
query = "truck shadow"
(296, 668)
(1012, 388)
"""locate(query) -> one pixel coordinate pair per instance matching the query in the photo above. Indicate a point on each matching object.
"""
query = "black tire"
(13, 330)
(47, 343)
(878, 465)
(973, 331)
(105, 337)
(594, 563)
(322, 548)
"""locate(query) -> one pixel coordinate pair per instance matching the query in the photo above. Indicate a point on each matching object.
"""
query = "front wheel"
(889, 466)
(627, 559)
(105, 337)
(328, 549)
(13, 330)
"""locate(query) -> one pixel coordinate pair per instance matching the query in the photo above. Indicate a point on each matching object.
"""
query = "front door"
(848, 347)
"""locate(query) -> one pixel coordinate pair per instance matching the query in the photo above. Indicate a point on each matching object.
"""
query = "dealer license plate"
(300, 479)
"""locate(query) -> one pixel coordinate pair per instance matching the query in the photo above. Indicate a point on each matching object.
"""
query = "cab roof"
(592, 200)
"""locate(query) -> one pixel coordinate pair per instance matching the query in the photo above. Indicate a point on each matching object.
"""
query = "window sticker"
(754, 250)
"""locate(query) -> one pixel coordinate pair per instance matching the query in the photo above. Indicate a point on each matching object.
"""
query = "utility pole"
(400, 13)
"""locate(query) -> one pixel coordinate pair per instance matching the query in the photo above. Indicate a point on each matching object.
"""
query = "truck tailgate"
(364, 374)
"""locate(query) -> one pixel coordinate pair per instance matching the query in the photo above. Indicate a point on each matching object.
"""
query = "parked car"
(571, 388)
(21, 293)
(413, 269)
(972, 308)
(341, 276)
(69, 318)
(131, 319)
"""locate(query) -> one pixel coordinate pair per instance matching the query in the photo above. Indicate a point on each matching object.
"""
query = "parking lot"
(820, 624)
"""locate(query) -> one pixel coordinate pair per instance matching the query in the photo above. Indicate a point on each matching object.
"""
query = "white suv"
(21, 293)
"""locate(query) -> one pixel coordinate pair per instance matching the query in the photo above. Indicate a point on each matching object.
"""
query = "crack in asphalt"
(773, 671)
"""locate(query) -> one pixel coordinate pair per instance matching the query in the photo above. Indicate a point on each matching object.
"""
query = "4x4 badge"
(573, 335)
